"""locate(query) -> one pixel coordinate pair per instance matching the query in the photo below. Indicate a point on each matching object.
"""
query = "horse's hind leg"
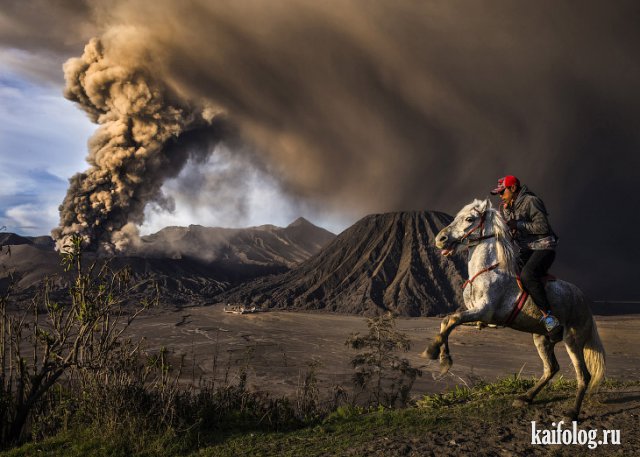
(546, 351)
(575, 351)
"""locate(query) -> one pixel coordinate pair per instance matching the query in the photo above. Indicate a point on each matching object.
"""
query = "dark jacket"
(534, 230)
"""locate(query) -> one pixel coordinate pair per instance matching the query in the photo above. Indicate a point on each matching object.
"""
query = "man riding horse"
(527, 219)
(492, 296)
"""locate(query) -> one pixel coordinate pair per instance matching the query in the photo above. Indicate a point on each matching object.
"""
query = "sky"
(237, 113)
(42, 139)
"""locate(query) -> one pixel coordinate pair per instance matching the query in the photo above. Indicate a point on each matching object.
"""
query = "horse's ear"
(484, 205)
(488, 204)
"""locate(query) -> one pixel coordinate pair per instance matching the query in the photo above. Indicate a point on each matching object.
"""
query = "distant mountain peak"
(300, 222)
(261, 245)
(8, 238)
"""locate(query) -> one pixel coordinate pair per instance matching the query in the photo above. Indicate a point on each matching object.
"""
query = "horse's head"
(468, 220)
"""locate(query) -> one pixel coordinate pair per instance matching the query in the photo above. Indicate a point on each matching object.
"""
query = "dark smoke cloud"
(375, 106)
(133, 151)
(48, 30)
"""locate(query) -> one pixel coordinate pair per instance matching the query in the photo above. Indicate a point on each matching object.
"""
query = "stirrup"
(550, 322)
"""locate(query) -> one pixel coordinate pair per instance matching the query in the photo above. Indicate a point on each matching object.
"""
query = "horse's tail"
(594, 357)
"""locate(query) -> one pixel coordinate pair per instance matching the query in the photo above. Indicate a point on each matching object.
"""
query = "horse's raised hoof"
(445, 364)
(521, 401)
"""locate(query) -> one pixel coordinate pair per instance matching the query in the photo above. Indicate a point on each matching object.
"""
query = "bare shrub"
(379, 373)
(49, 339)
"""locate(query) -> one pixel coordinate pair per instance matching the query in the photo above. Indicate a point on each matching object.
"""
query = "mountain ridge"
(260, 245)
(384, 262)
(190, 264)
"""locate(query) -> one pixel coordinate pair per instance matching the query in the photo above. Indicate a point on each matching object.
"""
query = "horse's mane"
(506, 249)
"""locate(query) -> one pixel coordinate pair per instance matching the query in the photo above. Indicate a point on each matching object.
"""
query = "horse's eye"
(470, 219)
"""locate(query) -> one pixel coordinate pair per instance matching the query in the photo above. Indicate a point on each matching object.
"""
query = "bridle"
(482, 236)
(477, 239)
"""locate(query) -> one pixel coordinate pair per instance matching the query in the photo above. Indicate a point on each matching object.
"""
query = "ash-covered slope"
(11, 239)
(189, 264)
(383, 262)
(180, 281)
(263, 245)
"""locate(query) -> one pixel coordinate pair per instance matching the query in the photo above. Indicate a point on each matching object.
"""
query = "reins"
(484, 270)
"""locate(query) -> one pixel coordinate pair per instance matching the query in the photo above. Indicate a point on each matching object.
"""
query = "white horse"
(492, 291)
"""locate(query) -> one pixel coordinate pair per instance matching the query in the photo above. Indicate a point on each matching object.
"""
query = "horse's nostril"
(442, 238)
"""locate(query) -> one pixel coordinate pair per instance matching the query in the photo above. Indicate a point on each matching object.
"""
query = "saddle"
(522, 298)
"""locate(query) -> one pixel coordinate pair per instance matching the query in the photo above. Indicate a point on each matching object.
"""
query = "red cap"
(505, 182)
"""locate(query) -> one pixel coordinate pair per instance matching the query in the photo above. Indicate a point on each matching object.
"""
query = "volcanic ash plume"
(133, 151)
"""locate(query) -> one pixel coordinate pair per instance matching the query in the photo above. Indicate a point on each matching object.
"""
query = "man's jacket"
(530, 214)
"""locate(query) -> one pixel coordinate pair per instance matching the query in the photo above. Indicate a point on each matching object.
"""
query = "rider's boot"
(553, 327)
(536, 289)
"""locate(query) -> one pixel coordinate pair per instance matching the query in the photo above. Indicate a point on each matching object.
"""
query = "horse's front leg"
(440, 345)
(439, 348)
